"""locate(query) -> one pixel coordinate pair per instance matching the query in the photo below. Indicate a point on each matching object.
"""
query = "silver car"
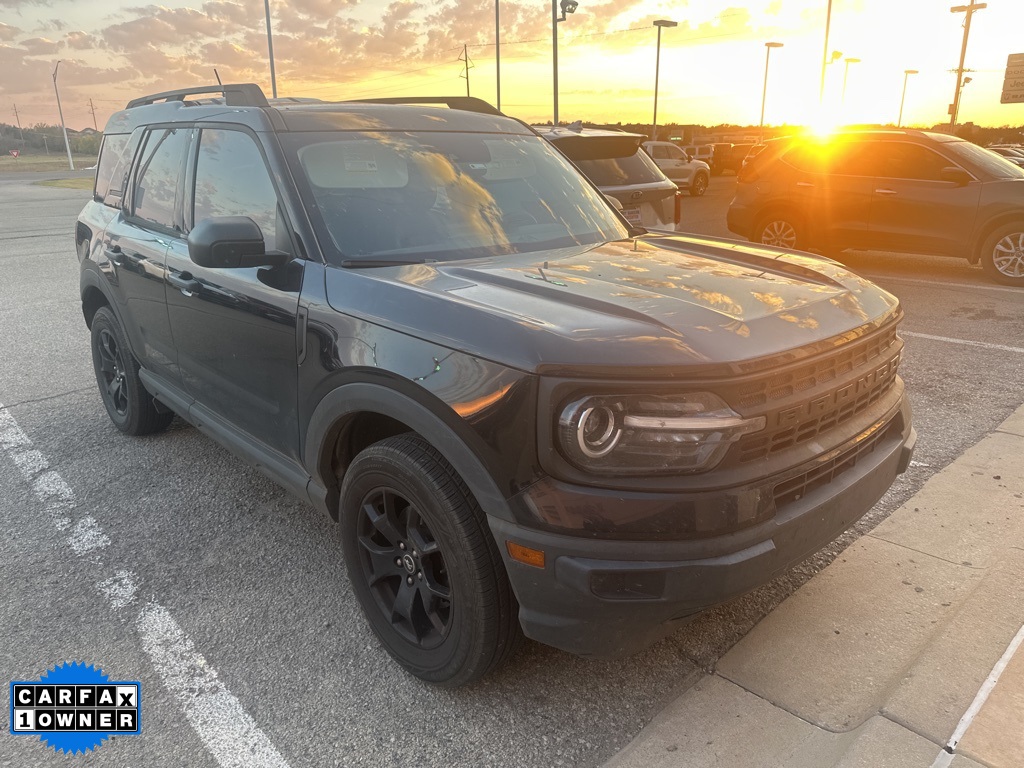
(689, 173)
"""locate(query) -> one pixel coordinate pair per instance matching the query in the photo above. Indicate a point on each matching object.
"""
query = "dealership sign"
(1013, 82)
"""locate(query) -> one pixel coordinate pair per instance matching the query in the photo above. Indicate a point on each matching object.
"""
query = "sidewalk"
(875, 661)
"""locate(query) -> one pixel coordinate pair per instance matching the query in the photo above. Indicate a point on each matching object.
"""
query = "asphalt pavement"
(167, 561)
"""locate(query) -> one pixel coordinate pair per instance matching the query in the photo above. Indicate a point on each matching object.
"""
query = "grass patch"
(54, 162)
(83, 182)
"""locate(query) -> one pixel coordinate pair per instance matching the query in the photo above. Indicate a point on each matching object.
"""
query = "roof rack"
(464, 103)
(235, 95)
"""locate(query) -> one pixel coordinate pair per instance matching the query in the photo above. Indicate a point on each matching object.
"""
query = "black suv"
(900, 190)
(524, 415)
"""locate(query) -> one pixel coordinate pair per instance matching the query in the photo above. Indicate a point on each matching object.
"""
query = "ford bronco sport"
(525, 415)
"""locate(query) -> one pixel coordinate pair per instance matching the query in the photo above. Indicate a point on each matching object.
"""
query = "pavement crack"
(927, 554)
(49, 397)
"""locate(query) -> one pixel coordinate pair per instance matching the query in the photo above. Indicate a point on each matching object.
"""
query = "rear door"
(913, 209)
(136, 241)
(235, 329)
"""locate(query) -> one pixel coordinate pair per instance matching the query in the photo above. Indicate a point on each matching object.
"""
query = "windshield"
(611, 161)
(413, 197)
(987, 161)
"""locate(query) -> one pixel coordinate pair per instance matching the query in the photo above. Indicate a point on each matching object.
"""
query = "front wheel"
(1002, 254)
(780, 230)
(699, 185)
(423, 565)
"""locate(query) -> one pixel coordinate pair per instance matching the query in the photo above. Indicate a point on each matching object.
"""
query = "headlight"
(650, 434)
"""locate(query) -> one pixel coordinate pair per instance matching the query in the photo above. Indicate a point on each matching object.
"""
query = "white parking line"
(942, 283)
(945, 757)
(218, 718)
(965, 342)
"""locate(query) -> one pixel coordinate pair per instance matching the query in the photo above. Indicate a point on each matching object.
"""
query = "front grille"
(857, 383)
(797, 487)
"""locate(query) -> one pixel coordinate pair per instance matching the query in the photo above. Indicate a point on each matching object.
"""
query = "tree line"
(42, 138)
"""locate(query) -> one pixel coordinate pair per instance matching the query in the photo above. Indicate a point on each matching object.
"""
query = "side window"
(854, 158)
(232, 180)
(675, 153)
(901, 160)
(156, 180)
(660, 152)
(120, 164)
(110, 152)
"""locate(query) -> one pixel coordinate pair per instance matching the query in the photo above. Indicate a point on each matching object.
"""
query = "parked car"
(719, 159)
(733, 161)
(524, 415)
(1013, 154)
(690, 174)
(614, 161)
(896, 190)
(703, 152)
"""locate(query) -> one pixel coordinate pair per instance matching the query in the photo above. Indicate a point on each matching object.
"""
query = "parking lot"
(173, 564)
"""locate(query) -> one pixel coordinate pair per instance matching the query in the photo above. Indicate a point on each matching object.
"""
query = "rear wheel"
(128, 404)
(780, 230)
(423, 565)
(1002, 255)
(699, 185)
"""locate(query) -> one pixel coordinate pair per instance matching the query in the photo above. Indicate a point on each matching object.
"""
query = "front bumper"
(607, 598)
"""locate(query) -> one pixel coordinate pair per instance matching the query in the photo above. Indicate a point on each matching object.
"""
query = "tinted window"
(157, 176)
(110, 152)
(636, 168)
(901, 160)
(120, 165)
(853, 158)
(973, 155)
(660, 153)
(232, 180)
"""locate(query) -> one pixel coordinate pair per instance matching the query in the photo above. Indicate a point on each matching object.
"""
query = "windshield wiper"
(368, 263)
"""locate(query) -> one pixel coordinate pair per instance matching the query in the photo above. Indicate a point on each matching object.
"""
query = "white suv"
(692, 175)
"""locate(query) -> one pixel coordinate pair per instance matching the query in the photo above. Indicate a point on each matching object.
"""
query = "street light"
(67, 144)
(657, 68)
(846, 74)
(270, 47)
(906, 74)
(567, 6)
(824, 54)
(764, 92)
(955, 106)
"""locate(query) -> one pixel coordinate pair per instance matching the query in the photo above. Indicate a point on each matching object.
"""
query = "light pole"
(67, 144)
(968, 11)
(657, 70)
(567, 6)
(824, 53)
(959, 95)
(846, 74)
(764, 91)
(497, 47)
(906, 74)
(270, 47)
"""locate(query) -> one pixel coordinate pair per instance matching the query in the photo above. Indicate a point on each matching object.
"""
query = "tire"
(1002, 254)
(423, 564)
(699, 185)
(780, 230)
(128, 404)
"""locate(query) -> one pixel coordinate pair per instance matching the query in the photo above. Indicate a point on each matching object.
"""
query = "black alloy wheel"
(129, 405)
(424, 565)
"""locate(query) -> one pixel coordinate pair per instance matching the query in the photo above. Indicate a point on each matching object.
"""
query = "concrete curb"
(875, 660)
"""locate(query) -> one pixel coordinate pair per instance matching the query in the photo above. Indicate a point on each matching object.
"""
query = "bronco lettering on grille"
(839, 397)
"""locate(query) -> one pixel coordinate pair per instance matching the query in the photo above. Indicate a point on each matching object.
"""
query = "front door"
(234, 329)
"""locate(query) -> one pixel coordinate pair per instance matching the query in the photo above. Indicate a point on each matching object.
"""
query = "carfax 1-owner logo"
(74, 708)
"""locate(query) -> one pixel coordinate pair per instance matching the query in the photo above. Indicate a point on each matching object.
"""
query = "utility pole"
(497, 47)
(824, 55)
(469, 65)
(270, 47)
(67, 144)
(20, 132)
(968, 11)
(92, 109)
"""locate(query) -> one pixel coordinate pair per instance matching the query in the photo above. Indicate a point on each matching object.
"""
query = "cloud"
(82, 41)
(7, 32)
(40, 46)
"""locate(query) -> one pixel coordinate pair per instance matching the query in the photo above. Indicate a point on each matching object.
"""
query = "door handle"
(804, 184)
(113, 254)
(885, 191)
(184, 282)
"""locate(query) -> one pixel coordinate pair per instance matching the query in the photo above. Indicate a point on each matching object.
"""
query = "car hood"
(652, 305)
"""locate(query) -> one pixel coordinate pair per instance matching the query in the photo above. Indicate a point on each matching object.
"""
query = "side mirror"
(957, 175)
(231, 242)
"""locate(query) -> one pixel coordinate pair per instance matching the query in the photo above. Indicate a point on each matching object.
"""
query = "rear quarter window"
(110, 152)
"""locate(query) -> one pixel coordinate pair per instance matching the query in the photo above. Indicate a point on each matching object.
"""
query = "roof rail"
(464, 103)
(235, 95)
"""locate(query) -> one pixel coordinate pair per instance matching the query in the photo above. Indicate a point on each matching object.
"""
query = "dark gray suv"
(903, 190)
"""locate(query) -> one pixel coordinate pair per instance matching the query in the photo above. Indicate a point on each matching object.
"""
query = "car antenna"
(217, 76)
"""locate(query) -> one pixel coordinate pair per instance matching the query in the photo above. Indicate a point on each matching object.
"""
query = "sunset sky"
(712, 64)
